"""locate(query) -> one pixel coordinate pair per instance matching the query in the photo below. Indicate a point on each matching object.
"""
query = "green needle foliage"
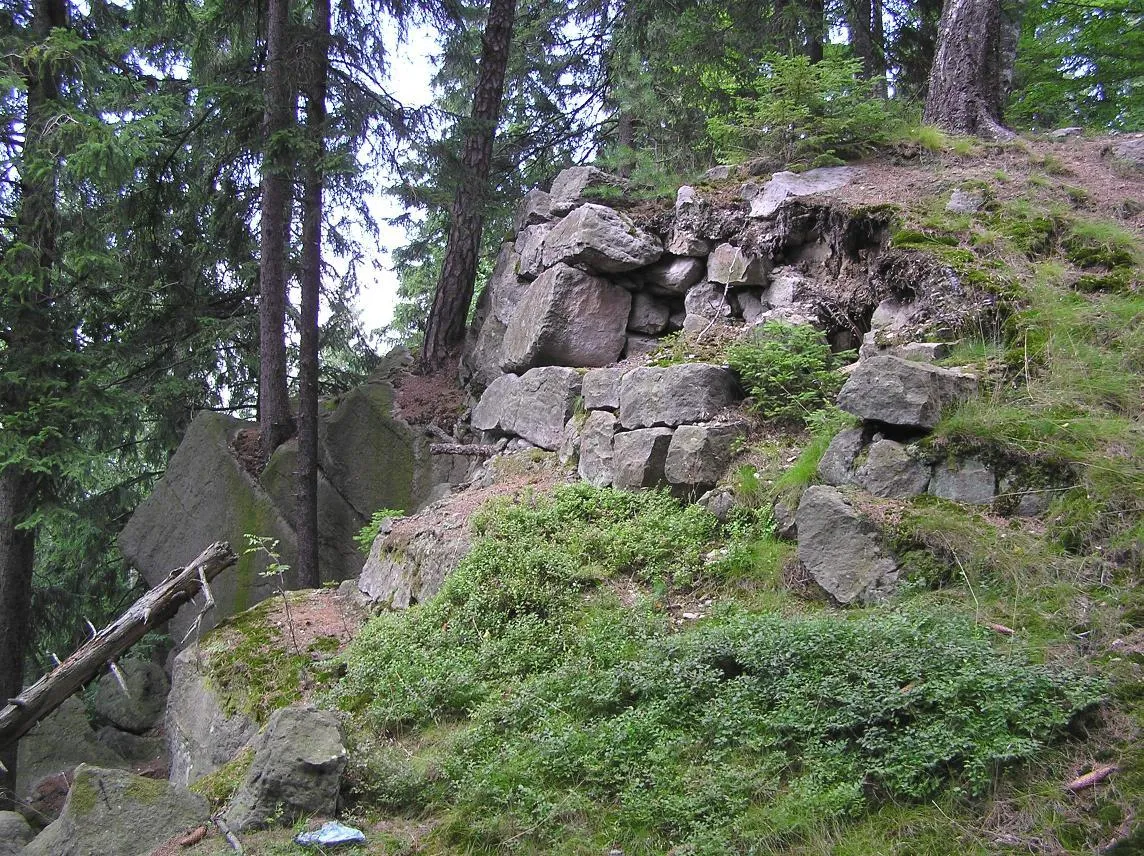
(542, 714)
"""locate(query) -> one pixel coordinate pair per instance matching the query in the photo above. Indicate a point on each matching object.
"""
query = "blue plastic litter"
(332, 834)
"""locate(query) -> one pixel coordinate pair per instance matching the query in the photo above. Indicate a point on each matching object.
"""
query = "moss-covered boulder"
(205, 496)
(116, 812)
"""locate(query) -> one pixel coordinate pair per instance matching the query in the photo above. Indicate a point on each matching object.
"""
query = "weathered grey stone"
(698, 454)
(533, 209)
(918, 352)
(569, 318)
(787, 286)
(200, 736)
(141, 705)
(729, 265)
(579, 184)
(133, 748)
(1065, 133)
(534, 406)
(116, 812)
(297, 770)
(841, 549)
(970, 481)
(890, 471)
(717, 173)
(797, 315)
(708, 300)
(14, 833)
(409, 561)
(686, 237)
(786, 519)
(1129, 149)
(207, 496)
(751, 306)
(965, 201)
(673, 274)
(675, 395)
(836, 465)
(338, 521)
(601, 388)
(648, 315)
(639, 345)
(596, 453)
(900, 392)
(530, 250)
(58, 744)
(639, 457)
(600, 239)
(495, 308)
(569, 452)
(892, 314)
(719, 501)
(481, 360)
(784, 185)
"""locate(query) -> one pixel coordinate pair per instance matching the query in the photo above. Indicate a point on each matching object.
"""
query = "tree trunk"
(861, 38)
(309, 575)
(273, 402)
(1012, 17)
(445, 331)
(878, 48)
(32, 334)
(17, 551)
(815, 27)
(964, 94)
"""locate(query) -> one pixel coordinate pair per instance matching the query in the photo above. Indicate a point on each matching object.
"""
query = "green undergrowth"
(549, 699)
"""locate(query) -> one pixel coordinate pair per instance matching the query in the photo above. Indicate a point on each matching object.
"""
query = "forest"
(186, 220)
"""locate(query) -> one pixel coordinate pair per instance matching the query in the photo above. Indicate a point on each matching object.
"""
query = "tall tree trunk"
(815, 28)
(17, 552)
(1012, 17)
(964, 94)
(309, 575)
(32, 333)
(273, 402)
(878, 48)
(861, 38)
(445, 331)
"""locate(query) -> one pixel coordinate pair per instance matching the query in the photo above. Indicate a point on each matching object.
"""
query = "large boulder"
(841, 549)
(675, 395)
(411, 559)
(968, 480)
(699, 454)
(201, 736)
(535, 405)
(904, 393)
(567, 318)
(530, 250)
(836, 465)
(730, 265)
(596, 448)
(688, 237)
(639, 457)
(601, 388)
(14, 833)
(600, 239)
(579, 184)
(673, 274)
(495, 308)
(116, 812)
(58, 744)
(534, 208)
(708, 300)
(648, 314)
(891, 471)
(784, 185)
(207, 495)
(297, 770)
(140, 705)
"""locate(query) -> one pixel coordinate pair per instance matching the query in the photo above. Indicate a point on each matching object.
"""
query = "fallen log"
(155, 607)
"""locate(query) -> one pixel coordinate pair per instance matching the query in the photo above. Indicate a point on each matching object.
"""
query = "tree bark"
(273, 402)
(445, 331)
(309, 573)
(964, 94)
(17, 551)
(815, 28)
(25, 709)
(32, 334)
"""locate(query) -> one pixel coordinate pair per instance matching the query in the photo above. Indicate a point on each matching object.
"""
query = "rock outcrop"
(298, 763)
(138, 705)
(14, 833)
(116, 812)
(903, 393)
